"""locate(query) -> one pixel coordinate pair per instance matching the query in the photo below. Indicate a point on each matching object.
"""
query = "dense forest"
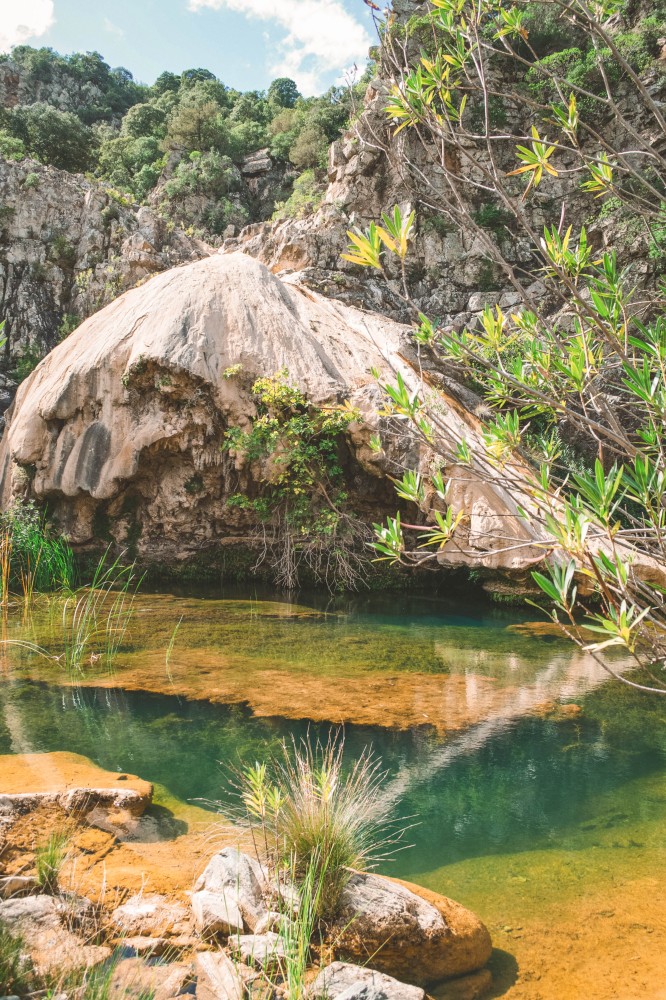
(183, 136)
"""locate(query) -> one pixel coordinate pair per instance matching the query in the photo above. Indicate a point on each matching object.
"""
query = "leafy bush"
(11, 147)
(305, 198)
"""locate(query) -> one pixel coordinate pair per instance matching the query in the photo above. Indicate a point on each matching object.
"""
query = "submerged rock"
(409, 932)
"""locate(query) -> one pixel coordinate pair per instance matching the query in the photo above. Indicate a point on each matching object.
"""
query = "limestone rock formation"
(122, 425)
(67, 247)
(407, 932)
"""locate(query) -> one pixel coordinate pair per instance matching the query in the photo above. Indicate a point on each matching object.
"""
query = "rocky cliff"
(67, 247)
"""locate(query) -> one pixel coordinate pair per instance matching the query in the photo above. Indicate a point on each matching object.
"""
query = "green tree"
(580, 364)
(55, 137)
(283, 93)
(144, 120)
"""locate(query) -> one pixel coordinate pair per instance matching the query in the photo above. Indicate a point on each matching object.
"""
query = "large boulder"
(122, 424)
(408, 932)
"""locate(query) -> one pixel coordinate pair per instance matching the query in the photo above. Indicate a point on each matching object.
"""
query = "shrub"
(304, 200)
(11, 147)
(31, 181)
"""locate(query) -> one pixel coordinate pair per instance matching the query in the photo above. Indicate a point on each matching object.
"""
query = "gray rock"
(51, 944)
(510, 299)
(217, 977)
(239, 877)
(479, 300)
(259, 950)
(344, 981)
(217, 913)
(151, 916)
(271, 921)
(419, 938)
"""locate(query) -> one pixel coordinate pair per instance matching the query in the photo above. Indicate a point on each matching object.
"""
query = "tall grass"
(318, 820)
(15, 969)
(298, 928)
(49, 860)
(32, 558)
(95, 619)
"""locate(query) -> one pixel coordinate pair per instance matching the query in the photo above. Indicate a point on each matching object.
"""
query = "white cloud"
(113, 29)
(21, 20)
(321, 37)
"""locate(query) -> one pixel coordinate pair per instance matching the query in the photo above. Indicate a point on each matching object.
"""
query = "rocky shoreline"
(216, 936)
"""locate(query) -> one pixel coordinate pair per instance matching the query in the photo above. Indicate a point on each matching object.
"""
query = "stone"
(151, 916)
(134, 977)
(237, 876)
(109, 248)
(52, 946)
(407, 932)
(217, 977)
(479, 300)
(271, 921)
(344, 981)
(136, 401)
(17, 885)
(259, 950)
(217, 913)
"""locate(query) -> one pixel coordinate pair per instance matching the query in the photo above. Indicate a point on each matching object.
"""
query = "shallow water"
(527, 813)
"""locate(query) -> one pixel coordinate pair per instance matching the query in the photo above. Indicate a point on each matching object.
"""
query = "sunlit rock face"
(67, 247)
(121, 427)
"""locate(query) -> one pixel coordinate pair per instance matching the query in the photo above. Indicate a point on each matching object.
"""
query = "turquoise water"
(511, 782)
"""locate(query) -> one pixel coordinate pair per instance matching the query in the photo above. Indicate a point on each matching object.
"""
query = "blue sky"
(246, 43)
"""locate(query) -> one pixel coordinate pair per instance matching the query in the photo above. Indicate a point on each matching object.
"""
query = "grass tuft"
(319, 821)
(49, 860)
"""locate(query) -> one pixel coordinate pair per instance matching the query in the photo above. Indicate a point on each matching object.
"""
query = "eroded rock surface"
(67, 247)
(122, 425)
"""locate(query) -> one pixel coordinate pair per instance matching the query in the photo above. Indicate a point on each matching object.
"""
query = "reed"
(95, 620)
(32, 559)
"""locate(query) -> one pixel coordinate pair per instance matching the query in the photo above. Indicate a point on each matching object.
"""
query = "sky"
(246, 43)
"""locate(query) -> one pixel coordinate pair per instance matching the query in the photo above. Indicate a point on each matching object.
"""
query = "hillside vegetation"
(183, 136)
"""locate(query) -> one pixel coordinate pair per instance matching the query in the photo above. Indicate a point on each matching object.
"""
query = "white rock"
(343, 980)
(259, 950)
(238, 877)
(217, 913)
